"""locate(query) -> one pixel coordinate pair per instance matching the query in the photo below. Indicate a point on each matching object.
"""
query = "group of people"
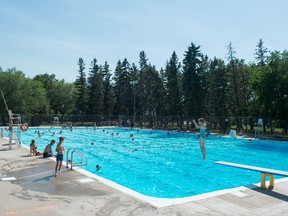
(201, 125)
(48, 152)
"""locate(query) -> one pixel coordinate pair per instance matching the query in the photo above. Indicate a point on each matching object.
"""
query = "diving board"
(264, 171)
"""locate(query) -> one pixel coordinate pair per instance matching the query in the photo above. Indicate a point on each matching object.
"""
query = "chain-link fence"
(181, 123)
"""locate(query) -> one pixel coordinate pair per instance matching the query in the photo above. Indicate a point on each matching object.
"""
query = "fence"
(181, 123)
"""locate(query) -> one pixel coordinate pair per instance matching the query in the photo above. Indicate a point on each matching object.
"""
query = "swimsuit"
(59, 157)
(47, 154)
(202, 133)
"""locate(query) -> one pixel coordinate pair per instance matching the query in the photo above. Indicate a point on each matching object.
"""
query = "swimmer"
(40, 134)
(98, 167)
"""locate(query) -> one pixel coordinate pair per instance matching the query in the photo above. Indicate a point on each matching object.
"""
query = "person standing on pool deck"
(59, 157)
(202, 138)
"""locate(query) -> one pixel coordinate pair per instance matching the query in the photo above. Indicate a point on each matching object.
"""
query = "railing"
(82, 162)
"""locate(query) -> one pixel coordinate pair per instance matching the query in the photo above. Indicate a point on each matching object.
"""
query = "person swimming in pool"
(202, 138)
(98, 167)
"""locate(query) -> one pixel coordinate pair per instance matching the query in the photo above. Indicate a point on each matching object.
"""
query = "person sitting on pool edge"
(33, 149)
(48, 150)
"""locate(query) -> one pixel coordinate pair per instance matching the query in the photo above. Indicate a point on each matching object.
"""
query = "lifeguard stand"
(258, 128)
(232, 134)
(56, 120)
(14, 129)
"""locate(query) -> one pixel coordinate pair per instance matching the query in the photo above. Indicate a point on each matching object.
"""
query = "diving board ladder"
(264, 172)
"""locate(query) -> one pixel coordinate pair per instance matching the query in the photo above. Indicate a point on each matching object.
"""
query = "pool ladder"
(83, 161)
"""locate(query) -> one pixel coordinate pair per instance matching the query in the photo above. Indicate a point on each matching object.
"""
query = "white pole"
(10, 136)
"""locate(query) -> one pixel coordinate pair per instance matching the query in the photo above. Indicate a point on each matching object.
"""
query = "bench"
(264, 172)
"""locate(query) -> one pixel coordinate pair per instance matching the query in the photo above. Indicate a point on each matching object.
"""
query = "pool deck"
(28, 187)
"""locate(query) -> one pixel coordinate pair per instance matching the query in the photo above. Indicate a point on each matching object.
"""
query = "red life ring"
(24, 127)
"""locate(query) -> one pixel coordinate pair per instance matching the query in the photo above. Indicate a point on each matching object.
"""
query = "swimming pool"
(163, 165)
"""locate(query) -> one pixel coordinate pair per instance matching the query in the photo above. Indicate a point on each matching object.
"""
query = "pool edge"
(164, 202)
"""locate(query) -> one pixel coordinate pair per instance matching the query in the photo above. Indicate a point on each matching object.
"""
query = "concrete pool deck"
(28, 187)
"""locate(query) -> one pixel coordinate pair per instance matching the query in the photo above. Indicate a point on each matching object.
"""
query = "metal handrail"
(71, 159)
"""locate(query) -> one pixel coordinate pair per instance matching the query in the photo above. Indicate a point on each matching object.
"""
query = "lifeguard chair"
(232, 134)
(258, 128)
(14, 129)
(56, 120)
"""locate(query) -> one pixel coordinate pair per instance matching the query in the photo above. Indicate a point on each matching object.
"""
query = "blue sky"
(39, 36)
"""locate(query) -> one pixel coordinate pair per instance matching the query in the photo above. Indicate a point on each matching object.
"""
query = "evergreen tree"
(81, 86)
(238, 79)
(108, 100)
(123, 91)
(218, 92)
(153, 89)
(163, 110)
(233, 80)
(173, 85)
(95, 89)
(192, 82)
(143, 61)
(260, 53)
(142, 84)
(134, 81)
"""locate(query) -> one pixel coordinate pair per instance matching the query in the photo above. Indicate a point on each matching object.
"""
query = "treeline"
(198, 86)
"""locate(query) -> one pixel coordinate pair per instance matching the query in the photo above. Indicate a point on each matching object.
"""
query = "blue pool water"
(165, 165)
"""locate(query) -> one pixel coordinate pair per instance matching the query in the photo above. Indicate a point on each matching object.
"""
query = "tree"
(152, 93)
(81, 86)
(275, 88)
(63, 101)
(172, 73)
(192, 82)
(150, 88)
(218, 91)
(123, 88)
(23, 95)
(260, 53)
(95, 89)
(109, 99)
(239, 80)
(48, 82)
(143, 61)
(142, 84)
(234, 82)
